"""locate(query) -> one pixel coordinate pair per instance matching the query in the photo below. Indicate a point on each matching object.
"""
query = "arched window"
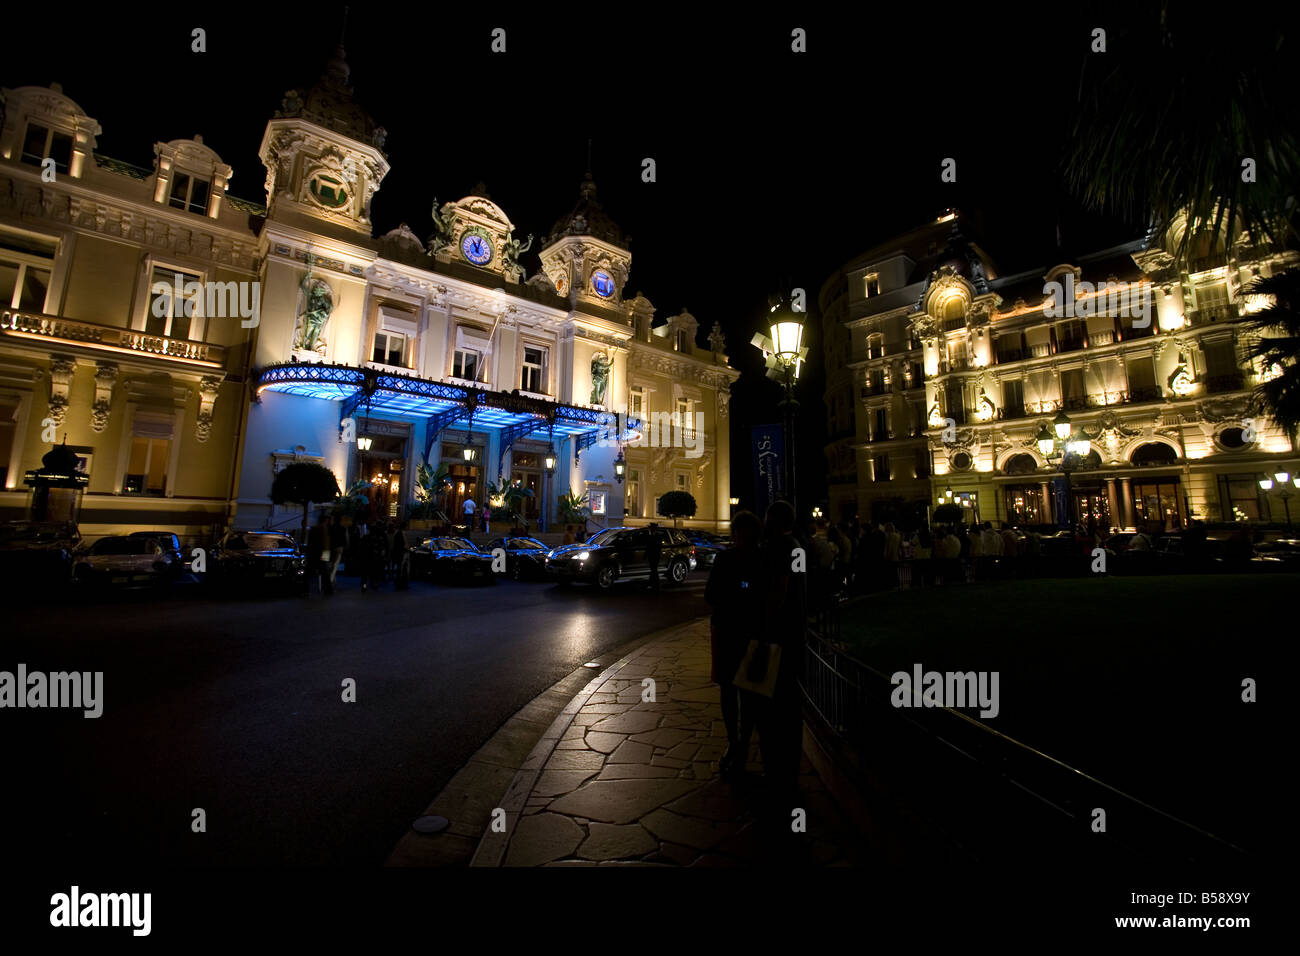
(1020, 465)
(953, 307)
(1154, 453)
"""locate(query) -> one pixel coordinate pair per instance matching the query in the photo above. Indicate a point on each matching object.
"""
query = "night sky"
(772, 168)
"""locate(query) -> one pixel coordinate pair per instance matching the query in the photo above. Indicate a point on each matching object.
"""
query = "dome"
(331, 104)
(588, 219)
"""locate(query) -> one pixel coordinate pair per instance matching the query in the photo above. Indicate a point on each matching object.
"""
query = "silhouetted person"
(653, 551)
(734, 591)
(780, 727)
(338, 544)
(318, 554)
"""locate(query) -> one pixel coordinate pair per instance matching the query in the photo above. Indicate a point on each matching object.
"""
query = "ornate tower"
(586, 255)
(324, 157)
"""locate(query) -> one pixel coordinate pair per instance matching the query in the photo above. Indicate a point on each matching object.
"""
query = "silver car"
(122, 561)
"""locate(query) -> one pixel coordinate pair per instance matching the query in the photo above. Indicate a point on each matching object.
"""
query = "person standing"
(467, 509)
(338, 543)
(653, 551)
(734, 591)
(318, 553)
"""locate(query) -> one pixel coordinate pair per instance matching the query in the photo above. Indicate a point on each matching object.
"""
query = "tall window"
(1142, 385)
(955, 403)
(170, 315)
(1013, 398)
(190, 193)
(532, 376)
(8, 429)
(146, 470)
(25, 267)
(881, 432)
(686, 417)
(872, 285)
(880, 468)
(633, 505)
(682, 341)
(465, 364)
(636, 403)
(1072, 391)
(390, 349)
(43, 143)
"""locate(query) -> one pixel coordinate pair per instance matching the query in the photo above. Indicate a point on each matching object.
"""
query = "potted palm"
(352, 503)
(573, 512)
(507, 501)
(431, 487)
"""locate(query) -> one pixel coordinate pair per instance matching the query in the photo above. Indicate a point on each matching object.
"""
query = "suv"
(171, 546)
(619, 554)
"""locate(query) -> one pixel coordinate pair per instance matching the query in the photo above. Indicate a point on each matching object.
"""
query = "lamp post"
(1283, 479)
(1065, 448)
(785, 353)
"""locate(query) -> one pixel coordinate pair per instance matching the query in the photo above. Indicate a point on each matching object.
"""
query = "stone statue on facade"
(318, 304)
(600, 368)
(442, 230)
(510, 253)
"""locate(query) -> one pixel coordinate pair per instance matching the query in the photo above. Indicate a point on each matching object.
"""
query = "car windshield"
(119, 546)
(606, 537)
(452, 544)
(525, 544)
(259, 542)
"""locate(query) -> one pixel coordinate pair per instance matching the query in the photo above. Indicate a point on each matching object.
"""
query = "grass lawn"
(1135, 680)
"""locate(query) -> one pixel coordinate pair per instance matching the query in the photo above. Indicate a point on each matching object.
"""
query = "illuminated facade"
(288, 332)
(942, 376)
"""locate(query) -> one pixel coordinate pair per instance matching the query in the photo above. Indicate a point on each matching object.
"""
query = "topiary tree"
(304, 483)
(677, 504)
(949, 514)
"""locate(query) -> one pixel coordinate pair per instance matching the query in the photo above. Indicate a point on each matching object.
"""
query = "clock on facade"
(476, 247)
(602, 283)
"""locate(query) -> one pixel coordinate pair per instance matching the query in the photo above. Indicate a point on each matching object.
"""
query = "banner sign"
(769, 466)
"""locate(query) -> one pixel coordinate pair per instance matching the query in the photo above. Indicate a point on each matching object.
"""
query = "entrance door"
(1157, 505)
(1090, 508)
(527, 473)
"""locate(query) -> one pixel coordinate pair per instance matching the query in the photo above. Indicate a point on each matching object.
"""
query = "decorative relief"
(208, 390)
(105, 377)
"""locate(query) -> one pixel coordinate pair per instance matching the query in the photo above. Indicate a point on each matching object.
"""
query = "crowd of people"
(378, 552)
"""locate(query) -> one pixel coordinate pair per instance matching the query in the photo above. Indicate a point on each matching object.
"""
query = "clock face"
(476, 248)
(602, 283)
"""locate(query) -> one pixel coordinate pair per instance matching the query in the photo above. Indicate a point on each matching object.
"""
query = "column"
(1112, 502)
(1049, 515)
(1126, 505)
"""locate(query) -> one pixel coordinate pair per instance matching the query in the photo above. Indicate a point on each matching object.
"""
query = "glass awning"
(439, 403)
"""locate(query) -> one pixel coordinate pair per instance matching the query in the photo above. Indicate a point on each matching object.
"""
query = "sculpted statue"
(318, 304)
(600, 367)
(442, 226)
(510, 254)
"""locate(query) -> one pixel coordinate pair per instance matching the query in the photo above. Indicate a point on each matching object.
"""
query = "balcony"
(54, 331)
(1011, 355)
(1214, 313)
(954, 325)
(1011, 411)
(1072, 344)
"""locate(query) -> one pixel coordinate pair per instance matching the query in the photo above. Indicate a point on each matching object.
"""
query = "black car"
(525, 557)
(450, 559)
(170, 544)
(36, 555)
(124, 561)
(258, 559)
(707, 545)
(619, 554)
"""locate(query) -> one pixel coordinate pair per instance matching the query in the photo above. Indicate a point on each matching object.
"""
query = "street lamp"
(620, 466)
(784, 353)
(549, 461)
(1065, 447)
(1283, 479)
(733, 501)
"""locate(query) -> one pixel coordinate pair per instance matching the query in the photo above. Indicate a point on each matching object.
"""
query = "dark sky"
(773, 168)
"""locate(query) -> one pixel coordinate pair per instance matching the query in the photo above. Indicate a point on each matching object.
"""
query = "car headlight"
(582, 556)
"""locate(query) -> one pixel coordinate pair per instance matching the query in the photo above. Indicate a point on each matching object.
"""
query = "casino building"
(945, 376)
(368, 354)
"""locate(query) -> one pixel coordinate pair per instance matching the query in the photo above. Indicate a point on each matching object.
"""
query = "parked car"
(123, 561)
(36, 554)
(450, 559)
(1281, 551)
(257, 559)
(619, 554)
(170, 544)
(707, 545)
(525, 557)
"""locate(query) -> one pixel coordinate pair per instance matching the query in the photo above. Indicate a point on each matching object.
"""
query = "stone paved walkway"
(618, 780)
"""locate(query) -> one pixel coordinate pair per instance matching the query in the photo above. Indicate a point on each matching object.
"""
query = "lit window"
(43, 143)
(636, 403)
(872, 285)
(25, 266)
(682, 344)
(190, 193)
(531, 376)
(465, 364)
(390, 349)
(146, 470)
(169, 315)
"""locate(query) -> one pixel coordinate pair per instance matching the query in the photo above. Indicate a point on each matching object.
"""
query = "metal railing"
(89, 333)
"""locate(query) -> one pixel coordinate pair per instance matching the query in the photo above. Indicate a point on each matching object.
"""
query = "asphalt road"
(235, 706)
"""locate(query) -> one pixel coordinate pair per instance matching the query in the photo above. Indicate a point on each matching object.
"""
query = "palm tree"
(1167, 117)
(1279, 355)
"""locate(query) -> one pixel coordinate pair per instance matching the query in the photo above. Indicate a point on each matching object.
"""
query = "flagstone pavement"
(623, 779)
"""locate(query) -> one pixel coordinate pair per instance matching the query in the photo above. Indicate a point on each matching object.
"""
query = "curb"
(507, 765)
